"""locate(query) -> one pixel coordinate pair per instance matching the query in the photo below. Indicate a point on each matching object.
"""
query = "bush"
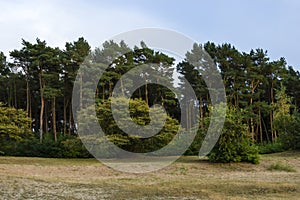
(64, 147)
(14, 128)
(198, 140)
(49, 148)
(289, 135)
(287, 125)
(281, 167)
(139, 113)
(234, 144)
(73, 148)
(275, 147)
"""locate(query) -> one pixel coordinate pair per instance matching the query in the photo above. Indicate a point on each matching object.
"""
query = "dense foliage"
(14, 128)
(36, 116)
(234, 144)
(139, 112)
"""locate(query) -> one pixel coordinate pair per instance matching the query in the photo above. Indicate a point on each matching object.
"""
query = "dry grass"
(188, 178)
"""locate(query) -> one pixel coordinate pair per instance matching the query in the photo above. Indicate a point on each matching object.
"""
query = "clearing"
(188, 178)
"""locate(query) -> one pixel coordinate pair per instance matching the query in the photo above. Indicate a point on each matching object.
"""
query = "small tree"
(286, 124)
(14, 128)
(234, 144)
(290, 138)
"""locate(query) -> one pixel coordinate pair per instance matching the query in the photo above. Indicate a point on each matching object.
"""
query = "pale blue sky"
(271, 25)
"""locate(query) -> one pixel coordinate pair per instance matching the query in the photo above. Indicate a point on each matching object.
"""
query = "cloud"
(58, 22)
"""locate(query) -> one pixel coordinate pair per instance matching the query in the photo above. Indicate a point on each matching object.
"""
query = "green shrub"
(286, 124)
(275, 147)
(64, 147)
(234, 144)
(73, 148)
(14, 129)
(139, 112)
(281, 167)
(289, 135)
(49, 148)
(198, 140)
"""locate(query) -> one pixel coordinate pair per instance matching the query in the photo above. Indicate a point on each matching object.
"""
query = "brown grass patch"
(188, 178)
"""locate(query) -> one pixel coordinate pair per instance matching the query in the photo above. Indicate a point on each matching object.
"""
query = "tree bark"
(15, 95)
(146, 91)
(253, 87)
(70, 120)
(42, 106)
(271, 124)
(65, 116)
(260, 126)
(30, 112)
(54, 119)
(251, 121)
(273, 135)
(201, 112)
(27, 97)
(46, 117)
(187, 115)
(80, 92)
(122, 86)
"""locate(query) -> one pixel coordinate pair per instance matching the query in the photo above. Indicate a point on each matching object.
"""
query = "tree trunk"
(271, 124)
(265, 127)
(70, 120)
(97, 92)
(27, 97)
(80, 92)
(41, 118)
(122, 86)
(201, 112)
(187, 115)
(54, 119)
(271, 112)
(42, 107)
(252, 128)
(46, 117)
(103, 93)
(9, 94)
(253, 87)
(110, 89)
(30, 112)
(260, 126)
(65, 116)
(251, 121)
(15, 94)
(146, 91)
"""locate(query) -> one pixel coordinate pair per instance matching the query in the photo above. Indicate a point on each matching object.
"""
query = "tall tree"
(72, 57)
(53, 85)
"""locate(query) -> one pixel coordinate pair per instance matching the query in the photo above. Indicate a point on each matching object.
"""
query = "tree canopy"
(262, 95)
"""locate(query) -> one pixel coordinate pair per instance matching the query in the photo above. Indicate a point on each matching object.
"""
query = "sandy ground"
(188, 178)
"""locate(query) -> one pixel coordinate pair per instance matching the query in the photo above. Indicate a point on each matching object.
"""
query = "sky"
(250, 24)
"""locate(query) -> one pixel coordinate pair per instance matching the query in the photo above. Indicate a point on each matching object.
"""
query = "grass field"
(276, 177)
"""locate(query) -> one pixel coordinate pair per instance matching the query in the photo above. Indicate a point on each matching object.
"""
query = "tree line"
(262, 95)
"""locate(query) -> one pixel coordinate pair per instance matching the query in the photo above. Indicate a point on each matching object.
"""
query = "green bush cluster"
(234, 144)
(266, 148)
(139, 112)
(64, 147)
(289, 134)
